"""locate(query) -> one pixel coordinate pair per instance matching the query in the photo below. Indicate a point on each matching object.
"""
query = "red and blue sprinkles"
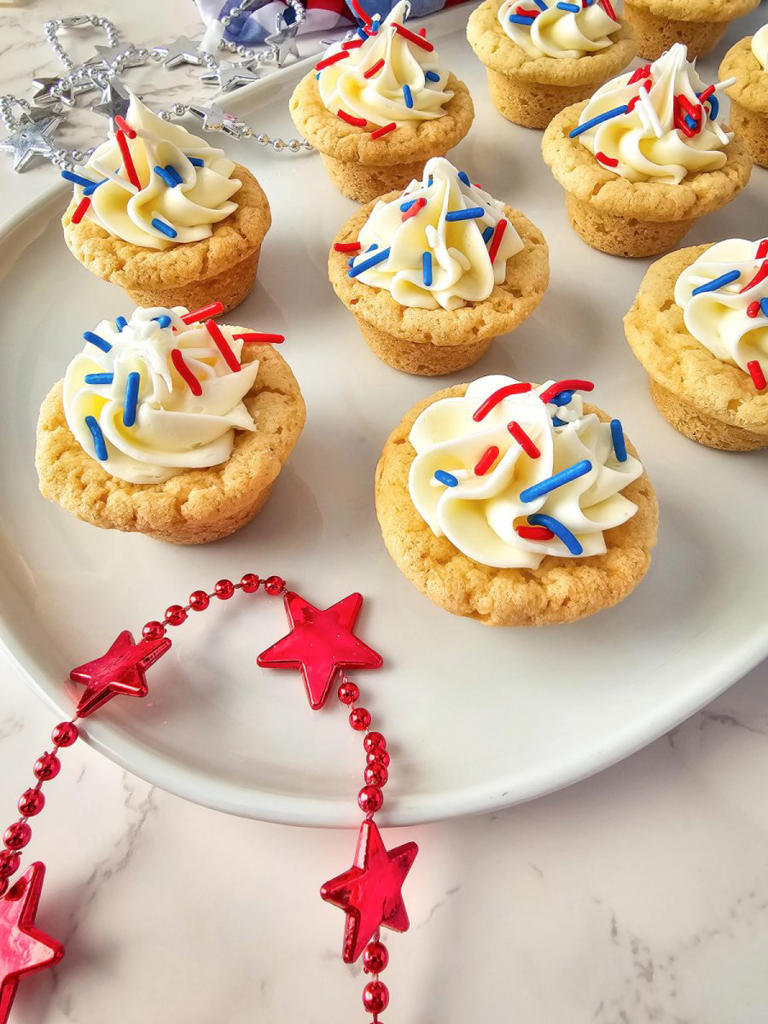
(99, 444)
(558, 529)
(131, 402)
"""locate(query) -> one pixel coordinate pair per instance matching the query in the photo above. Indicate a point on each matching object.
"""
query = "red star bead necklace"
(321, 643)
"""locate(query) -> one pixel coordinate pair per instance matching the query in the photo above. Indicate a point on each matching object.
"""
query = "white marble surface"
(638, 896)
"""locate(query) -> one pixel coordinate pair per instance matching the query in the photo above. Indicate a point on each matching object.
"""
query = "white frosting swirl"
(560, 30)
(408, 74)
(173, 429)
(760, 46)
(459, 261)
(479, 515)
(188, 209)
(646, 143)
(719, 318)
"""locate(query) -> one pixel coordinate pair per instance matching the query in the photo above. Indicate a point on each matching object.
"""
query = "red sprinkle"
(80, 212)
(385, 128)
(185, 373)
(358, 122)
(361, 13)
(642, 72)
(609, 161)
(523, 440)
(196, 315)
(709, 91)
(687, 106)
(222, 345)
(347, 246)
(565, 385)
(413, 210)
(352, 44)
(486, 460)
(340, 55)
(412, 37)
(759, 276)
(374, 68)
(130, 170)
(123, 124)
(498, 396)
(496, 238)
(757, 375)
(422, 32)
(534, 532)
(606, 5)
(527, 12)
(762, 250)
(256, 338)
(753, 310)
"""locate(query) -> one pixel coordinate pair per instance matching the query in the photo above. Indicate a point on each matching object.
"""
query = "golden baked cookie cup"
(531, 90)
(431, 342)
(362, 167)
(625, 218)
(193, 274)
(749, 98)
(699, 24)
(704, 398)
(195, 506)
(560, 590)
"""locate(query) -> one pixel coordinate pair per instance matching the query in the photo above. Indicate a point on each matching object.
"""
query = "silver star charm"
(31, 138)
(284, 41)
(43, 95)
(229, 76)
(181, 51)
(105, 55)
(216, 120)
(115, 100)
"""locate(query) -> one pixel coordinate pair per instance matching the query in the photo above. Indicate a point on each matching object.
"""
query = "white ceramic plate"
(478, 718)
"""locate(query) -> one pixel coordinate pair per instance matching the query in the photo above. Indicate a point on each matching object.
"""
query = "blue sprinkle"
(92, 188)
(520, 19)
(565, 535)
(407, 96)
(617, 435)
(541, 5)
(574, 8)
(446, 478)
(719, 282)
(164, 320)
(463, 176)
(426, 268)
(170, 169)
(99, 444)
(470, 214)
(97, 340)
(77, 179)
(488, 234)
(714, 105)
(557, 480)
(432, 76)
(169, 174)
(764, 307)
(378, 257)
(362, 33)
(120, 323)
(556, 422)
(597, 120)
(99, 378)
(197, 161)
(404, 207)
(317, 75)
(131, 399)
(429, 180)
(563, 398)
(372, 246)
(165, 228)
(690, 122)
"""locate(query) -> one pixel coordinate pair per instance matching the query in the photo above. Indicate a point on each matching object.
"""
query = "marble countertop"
(640, 895)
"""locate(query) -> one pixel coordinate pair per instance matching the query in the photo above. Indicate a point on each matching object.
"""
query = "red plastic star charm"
(320, 643)
(22, 947)
(370, 891)
(121, 670)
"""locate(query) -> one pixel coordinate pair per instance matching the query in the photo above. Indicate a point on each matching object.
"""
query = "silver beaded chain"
(235, 128)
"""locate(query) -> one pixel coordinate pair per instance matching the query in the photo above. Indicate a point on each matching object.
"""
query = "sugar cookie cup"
(220, 268)
(749, 96)
(558, 590)
(530, 90)
(363, 165)
(195, 505)
(704, 398)
(431, 342)
(699, 24)
(634, 219)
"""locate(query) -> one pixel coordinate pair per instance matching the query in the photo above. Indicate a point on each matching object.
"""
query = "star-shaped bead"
(115, 100)
(370, 892)
(229, 76)
(44, 85)
(216, 120)
(284, 41)
(30, 139)
(320, 643)
(120, 671)
(181, 51)
(23, 948)
(105, 55)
